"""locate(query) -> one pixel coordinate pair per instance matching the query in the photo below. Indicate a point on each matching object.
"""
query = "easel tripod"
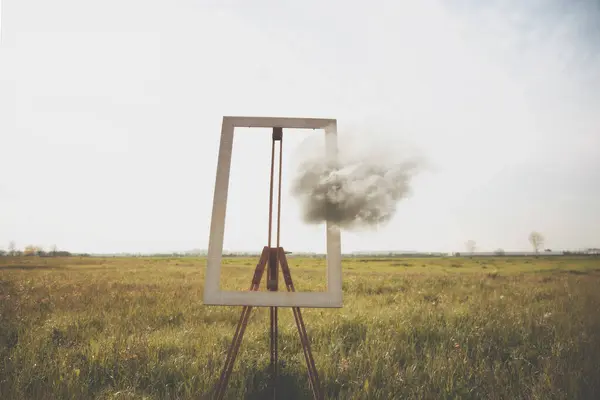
(271, 258)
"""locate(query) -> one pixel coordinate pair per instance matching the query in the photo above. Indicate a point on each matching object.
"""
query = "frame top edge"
(284, 122)
(259, 118)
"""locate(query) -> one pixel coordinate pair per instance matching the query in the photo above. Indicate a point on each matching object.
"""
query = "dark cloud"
(354, 192)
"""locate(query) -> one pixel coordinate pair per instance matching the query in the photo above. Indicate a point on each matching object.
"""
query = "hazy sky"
(110, 118)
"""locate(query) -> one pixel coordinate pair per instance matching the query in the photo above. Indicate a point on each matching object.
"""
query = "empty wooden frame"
(213, 295)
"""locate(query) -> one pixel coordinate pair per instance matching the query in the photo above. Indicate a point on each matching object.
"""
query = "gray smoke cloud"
(355, 191)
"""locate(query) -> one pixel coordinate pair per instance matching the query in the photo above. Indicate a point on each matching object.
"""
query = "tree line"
(536, 240)
(32, 250)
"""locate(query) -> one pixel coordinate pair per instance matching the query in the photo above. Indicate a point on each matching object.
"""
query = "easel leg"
(273, 286)
(274, 354)
(232, 352)
(313, 374)
(240, 329)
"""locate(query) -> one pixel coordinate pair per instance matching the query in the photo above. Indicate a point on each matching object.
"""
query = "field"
(437, 328)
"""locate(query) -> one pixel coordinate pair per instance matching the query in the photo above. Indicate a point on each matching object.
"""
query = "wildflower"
(399, 376)
(344, 365)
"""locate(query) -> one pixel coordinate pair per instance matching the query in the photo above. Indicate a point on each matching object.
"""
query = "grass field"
(135, 328)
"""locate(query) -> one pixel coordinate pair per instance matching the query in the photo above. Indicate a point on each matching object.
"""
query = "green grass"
(438, 328)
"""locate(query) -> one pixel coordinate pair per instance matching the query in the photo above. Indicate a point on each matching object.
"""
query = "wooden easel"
(273, 257)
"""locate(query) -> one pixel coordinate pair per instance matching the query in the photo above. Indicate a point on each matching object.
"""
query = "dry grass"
(135, 328)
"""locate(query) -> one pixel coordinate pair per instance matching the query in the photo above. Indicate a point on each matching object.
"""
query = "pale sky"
(110, 116)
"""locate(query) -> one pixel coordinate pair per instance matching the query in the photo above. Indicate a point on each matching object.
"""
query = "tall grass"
(135, 328)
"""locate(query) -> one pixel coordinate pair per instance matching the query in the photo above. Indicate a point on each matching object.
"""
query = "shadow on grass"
(25, 267)
(577, 272)
(104, 268)
(563, 271)
(291, 385)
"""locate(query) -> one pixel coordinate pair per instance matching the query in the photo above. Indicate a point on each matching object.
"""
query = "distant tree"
(12, 248)
(471, 246)
(39, 251)
(54, 251)
(537, 241)
(30, 250)
(499, 252)
(3, 253)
